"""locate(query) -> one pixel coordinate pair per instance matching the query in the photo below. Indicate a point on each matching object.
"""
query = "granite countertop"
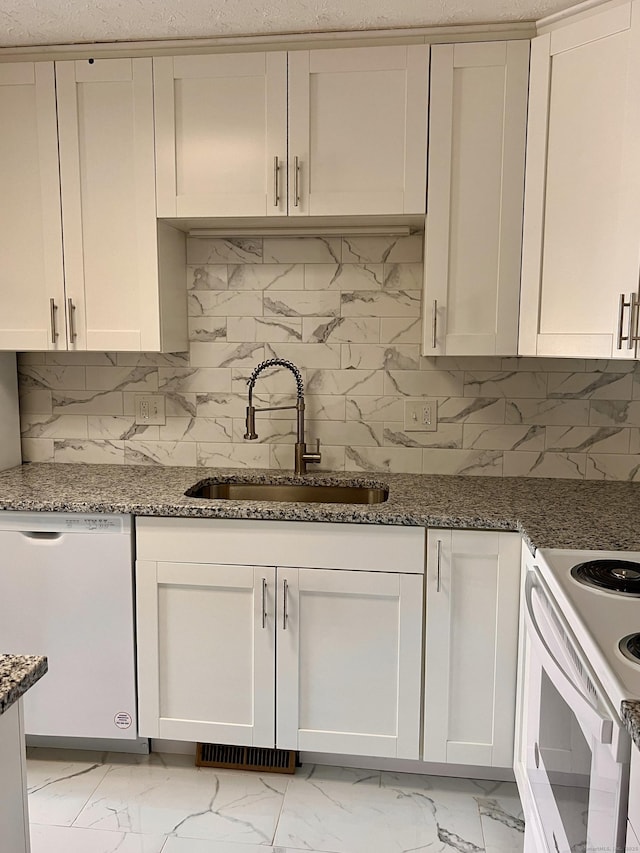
(17, 674)
(549, 513)
(631, 719)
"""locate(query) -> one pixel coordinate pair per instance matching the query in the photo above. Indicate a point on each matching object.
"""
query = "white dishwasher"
(66, 591)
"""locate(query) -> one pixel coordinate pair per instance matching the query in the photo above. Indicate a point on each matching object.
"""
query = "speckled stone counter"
(549, 513)
(17, 674)
(631, 718)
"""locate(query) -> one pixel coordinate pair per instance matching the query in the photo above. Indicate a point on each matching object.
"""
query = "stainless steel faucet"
(302, 455)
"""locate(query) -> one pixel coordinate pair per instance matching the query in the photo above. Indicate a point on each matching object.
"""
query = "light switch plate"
(150, 409)
(420, 415)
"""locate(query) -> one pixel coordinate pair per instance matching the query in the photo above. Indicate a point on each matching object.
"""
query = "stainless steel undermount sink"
(303, 492)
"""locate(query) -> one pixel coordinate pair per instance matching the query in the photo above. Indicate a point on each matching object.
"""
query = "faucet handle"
(311, 455)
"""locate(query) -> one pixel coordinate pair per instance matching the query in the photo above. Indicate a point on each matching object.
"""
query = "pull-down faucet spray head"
(302, 456)
(251, 433)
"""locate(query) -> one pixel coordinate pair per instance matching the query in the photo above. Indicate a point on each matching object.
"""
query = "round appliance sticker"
(123, 720)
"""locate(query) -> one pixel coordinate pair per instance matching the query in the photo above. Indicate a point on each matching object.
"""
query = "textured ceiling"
(44, 22)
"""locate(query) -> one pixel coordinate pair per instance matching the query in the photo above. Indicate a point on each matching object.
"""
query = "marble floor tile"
(377, 813)
(457, 822)
(152, 759)
(58, 788)
(502, 819)
(71, 839)
(196, 845)
(195, 803)
(163, 804)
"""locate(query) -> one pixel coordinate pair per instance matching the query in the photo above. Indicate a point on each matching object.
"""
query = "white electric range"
(572, 754)
(600, 618)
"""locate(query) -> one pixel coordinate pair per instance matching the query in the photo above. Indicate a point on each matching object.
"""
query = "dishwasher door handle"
(40, 535)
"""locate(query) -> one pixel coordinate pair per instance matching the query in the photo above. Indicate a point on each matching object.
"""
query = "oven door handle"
(599, 725)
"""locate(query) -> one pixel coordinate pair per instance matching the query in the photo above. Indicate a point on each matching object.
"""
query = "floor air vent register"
(246, 758)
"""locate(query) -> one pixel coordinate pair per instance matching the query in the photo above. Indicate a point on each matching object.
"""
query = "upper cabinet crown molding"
(308, 133)
(83, 242)
(477, 127)
(581, 247)
(290, 41)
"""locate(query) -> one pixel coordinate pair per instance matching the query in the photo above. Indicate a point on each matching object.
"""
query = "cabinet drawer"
(361, 547)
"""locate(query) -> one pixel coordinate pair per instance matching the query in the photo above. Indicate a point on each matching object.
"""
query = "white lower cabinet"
(205, 655)
(293, 656)
(472, 595)
(348, 662)
(14, 807)
(633, 825)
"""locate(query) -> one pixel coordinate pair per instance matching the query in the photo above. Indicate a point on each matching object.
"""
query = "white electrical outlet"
(420, 415)
(150, 409)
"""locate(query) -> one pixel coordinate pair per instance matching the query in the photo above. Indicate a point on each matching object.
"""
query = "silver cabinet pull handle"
(633, 321)
(276, 182)
(285, 604)
(72, 320)
(52, 311)
(438, 565)
(622, 305)
(296, 182)
(264, 602)
(434, 341)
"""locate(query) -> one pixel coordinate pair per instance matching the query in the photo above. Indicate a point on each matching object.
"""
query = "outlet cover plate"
(150, 409)
(420, 415)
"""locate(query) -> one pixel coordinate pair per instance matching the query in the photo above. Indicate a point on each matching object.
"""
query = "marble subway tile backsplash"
(347, 312)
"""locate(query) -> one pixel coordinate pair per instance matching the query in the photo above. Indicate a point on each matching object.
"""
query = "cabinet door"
(14, 810)
(357, 130)
(582, 194)
(105, 112)
(633, 825)
(473, 233)
(472, 596)
(31, 273)
(221, 134)
(348, 662)
(206, 652)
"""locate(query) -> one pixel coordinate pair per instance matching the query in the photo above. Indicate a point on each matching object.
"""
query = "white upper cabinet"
(473, 232)
(358, 130)
(582, 198)
(31, 273)
(221, 134)
(112, 294)
(321, 132)
(113, 290)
